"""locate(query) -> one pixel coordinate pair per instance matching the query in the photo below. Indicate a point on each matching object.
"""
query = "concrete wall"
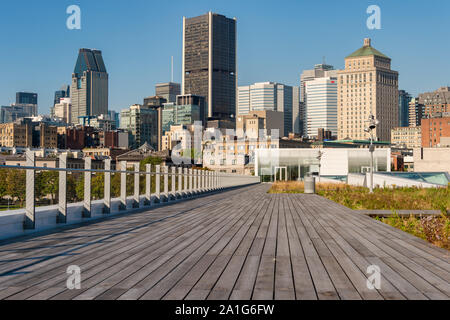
(432, 159)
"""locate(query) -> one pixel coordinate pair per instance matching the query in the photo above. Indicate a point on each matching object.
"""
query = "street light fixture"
(372, 125)
(319, 157)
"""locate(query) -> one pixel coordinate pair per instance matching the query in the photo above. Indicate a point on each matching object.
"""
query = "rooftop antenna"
(323, 61)
(171, 79)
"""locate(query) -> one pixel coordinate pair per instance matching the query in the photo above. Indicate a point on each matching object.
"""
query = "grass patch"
(433, 229)
(359, 198)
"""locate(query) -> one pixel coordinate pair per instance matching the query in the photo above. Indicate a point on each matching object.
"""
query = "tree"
(16, 185)
(3, 184)
(71, 188)
(47, 185)
(79, 187)
(98, 186)
(150, 160)
(154, 161)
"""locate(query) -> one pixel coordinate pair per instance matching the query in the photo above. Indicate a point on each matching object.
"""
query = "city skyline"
(280, 59)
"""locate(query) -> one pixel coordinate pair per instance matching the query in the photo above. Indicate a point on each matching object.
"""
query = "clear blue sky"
(276, 41)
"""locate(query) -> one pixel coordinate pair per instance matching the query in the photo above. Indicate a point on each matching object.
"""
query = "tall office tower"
(168, 91)
(142, 125)
(64, 92)
(367, 87)
(175, 115)
(114, 116)
(156, 103)
(269, 96)
(89, 88)
(209, 62)
(321, 106)
(435, 102)
(296, 111)
(243, 100)
(26, 105)
(319, 71)
(190, 100)
(26, 98)
(404, 99)
(302, 117)
(415, 112)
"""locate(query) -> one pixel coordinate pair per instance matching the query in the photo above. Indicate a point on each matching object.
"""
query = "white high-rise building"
(321, 106)
(319, 71)
(243, 100)
(269, 96)
(63, 110)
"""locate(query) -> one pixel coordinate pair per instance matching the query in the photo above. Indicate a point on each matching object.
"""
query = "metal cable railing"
(184, 183)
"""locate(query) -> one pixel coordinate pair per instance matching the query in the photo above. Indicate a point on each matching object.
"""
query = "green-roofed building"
(367, 86)
(367, 50)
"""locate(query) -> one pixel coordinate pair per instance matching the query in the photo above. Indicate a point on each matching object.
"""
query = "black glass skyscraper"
(26, 98)
(209, 62)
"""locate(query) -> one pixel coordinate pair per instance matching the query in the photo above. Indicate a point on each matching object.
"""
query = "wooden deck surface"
(239, 244)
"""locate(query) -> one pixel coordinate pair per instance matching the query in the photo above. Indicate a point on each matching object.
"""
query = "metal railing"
(185, 183)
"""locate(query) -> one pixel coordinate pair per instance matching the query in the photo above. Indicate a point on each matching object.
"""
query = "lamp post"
(319, 157)
(372, 125)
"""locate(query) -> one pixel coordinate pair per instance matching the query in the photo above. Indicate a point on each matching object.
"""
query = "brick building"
(434, 129)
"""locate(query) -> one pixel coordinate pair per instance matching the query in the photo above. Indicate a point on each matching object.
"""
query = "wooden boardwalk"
(239, 244)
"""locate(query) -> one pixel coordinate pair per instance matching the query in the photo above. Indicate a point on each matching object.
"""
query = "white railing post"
(87, 188)
(186, 179)
(195, 173)
(30, 221)
(215, 180)
(173, 183)
(180, 183)
(148, 185)
(158, 183)
(123, 186)
(210, 181)
(191, 182)
(62, 192)
(136, 200)
(166, 183)
(203, 180)
(107, 185)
